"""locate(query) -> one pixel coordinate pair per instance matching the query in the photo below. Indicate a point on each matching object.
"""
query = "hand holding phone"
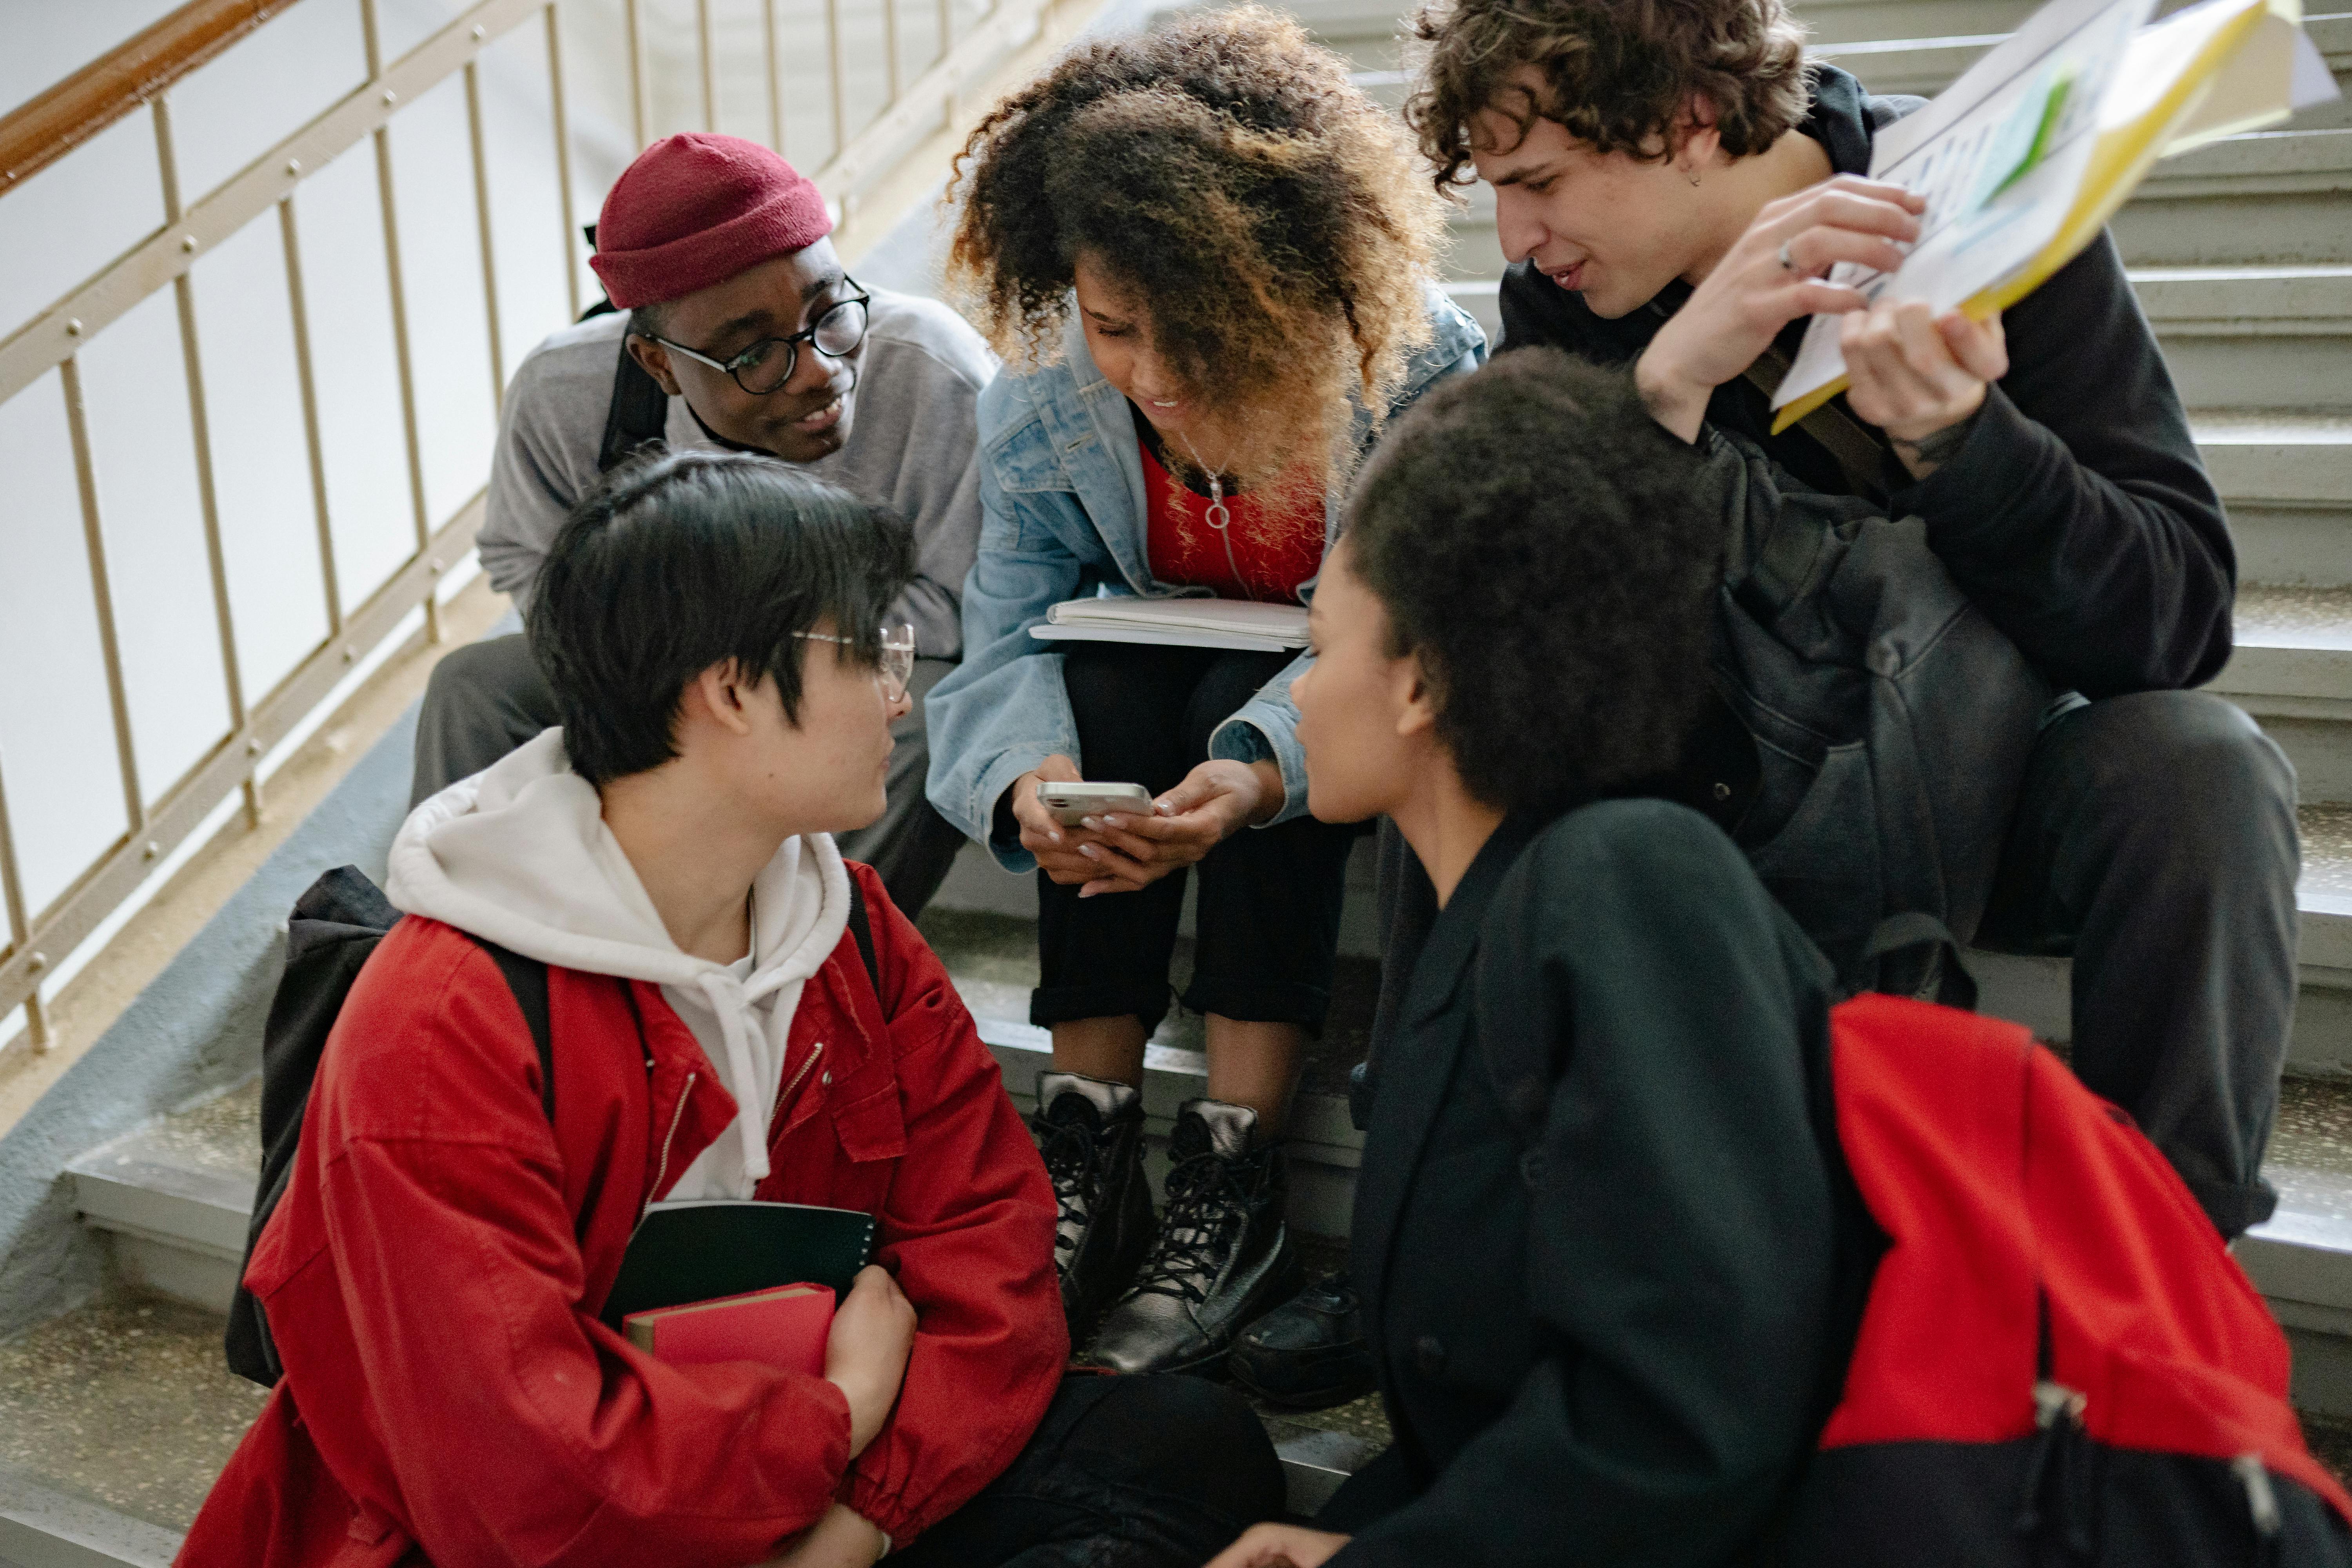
(1070, 801)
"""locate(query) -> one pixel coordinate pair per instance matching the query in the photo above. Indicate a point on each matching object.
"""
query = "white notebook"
(1182, 623)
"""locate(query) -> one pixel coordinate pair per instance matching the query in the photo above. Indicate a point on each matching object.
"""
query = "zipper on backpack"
(2262, 1498)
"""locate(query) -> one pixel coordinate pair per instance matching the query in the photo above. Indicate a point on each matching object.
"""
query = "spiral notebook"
(701, 1251)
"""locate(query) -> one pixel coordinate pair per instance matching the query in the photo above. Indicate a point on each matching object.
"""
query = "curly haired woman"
(1209, 260)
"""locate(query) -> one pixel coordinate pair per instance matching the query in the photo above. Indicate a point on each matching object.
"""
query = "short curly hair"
(1542, 544)
(1226, 173)
(1618, 75)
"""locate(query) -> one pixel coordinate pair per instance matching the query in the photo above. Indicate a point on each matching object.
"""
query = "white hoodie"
(520, 855)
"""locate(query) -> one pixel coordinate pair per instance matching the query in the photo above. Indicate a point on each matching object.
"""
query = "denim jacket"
(1062, 517)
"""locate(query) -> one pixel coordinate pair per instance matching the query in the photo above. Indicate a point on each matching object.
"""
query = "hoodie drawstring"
(732, 1002)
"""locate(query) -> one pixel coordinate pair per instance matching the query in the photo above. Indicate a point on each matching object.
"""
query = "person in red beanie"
(732, 325)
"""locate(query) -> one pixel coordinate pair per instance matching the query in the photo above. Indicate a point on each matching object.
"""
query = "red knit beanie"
(697, 208)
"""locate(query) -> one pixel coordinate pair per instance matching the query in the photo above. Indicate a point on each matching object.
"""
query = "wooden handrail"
(65, 116)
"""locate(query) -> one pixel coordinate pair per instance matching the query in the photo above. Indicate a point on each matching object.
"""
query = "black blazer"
(1615, 1343)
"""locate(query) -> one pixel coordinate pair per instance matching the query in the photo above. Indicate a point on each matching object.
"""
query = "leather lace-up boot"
(1224, 1257)
(1309, 1353)
(1091, 1134)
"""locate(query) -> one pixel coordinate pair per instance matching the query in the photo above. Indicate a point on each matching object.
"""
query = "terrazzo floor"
(126, 1404)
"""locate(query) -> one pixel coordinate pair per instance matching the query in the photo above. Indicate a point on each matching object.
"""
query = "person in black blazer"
(1609, 1257)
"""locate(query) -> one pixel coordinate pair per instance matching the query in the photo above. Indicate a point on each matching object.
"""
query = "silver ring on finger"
(1788, 262)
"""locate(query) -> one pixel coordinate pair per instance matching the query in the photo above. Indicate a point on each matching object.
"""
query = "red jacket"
(433, 1276)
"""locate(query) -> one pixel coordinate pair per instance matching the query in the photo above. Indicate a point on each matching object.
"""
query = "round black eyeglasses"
(766, 365)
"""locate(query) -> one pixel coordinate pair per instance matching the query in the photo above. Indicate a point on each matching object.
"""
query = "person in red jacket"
(434, 1273)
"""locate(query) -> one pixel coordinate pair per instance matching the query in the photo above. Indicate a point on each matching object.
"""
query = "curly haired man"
(1673, 184)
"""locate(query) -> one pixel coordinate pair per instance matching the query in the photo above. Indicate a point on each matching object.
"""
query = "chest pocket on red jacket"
(871, 1127)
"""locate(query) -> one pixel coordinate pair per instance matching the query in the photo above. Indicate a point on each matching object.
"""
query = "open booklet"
(1183, 623)
(2026, 156)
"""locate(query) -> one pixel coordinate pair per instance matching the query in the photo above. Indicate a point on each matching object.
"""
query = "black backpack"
(336, 925)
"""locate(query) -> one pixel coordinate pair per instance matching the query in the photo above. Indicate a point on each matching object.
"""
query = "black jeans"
(2156, 842)
(1123, 1472)
(1268, 912)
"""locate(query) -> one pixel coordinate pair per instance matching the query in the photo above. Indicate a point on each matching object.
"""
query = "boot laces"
(1208, 1210)
(1074, 1162)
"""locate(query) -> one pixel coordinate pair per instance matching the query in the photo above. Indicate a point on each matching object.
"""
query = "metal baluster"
(947, 42)
(20, 930)
(890, 49)
(482, 221)
(562, 161)
(102, 591)
(833, 45)
(710, 65)
(310, 437)
(200, 429)
(400, 319)
(636, 77)
(775, 80)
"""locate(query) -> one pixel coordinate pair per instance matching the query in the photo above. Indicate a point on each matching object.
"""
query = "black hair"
(1544, 546)
(686, 560)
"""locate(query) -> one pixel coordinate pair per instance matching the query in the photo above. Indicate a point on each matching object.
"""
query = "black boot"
(1224, 1257)
(1309, 1353)
(1091, 1134)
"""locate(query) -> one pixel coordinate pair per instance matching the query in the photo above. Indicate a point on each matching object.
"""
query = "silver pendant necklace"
(1218, 516)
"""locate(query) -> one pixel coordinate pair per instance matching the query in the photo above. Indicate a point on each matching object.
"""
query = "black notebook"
(695, 1250)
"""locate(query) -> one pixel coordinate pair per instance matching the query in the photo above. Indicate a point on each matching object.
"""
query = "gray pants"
(488, 698)
(2155, 843)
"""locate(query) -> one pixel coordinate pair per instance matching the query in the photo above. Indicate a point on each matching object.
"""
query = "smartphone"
(1069, 801)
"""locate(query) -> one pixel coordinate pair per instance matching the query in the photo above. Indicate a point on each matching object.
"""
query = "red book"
(784, 1326)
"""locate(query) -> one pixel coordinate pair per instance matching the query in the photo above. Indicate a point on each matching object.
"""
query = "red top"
(433, 1273)
(1275, 535)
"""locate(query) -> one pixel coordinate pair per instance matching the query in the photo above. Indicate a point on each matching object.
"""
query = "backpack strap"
(1860, 454)
(526, 978)
(861, 929)
(638, 413)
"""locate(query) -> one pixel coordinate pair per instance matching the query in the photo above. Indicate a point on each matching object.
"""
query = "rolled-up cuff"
(994, 780)
(1245, 738)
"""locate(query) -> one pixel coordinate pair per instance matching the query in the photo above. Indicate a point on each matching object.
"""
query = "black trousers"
(2155, 843)
(1268, 914)
(1123, 1472)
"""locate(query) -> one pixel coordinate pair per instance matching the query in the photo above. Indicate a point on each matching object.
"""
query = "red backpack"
(2058, 1362)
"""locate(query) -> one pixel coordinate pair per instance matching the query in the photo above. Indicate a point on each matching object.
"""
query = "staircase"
(2242, 254)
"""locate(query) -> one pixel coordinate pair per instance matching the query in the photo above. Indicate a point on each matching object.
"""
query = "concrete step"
(2256, 338)
(1829, 22)
(114, 1420)
(2275, 195)
(174, 1197)
(2301, 1259)
(2292, 670)
(43, 1527)
(2286, 479)
(1925, 64)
